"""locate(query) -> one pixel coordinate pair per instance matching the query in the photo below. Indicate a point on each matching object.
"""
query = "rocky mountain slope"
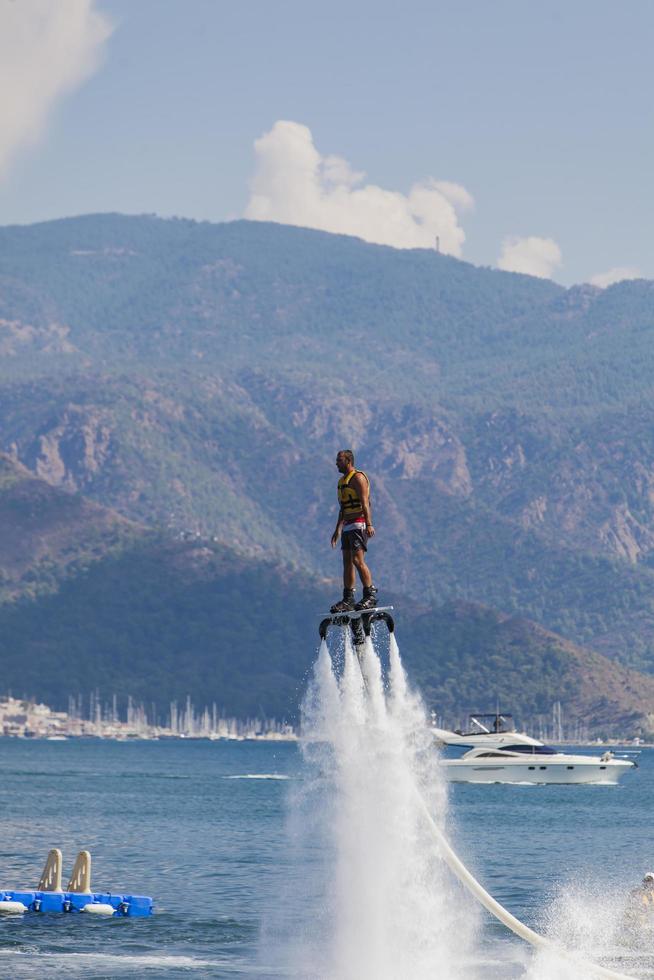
(47, 536)
(94, 604)
(200, 378)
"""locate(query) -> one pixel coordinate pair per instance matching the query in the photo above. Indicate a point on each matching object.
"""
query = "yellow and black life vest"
(348, 498)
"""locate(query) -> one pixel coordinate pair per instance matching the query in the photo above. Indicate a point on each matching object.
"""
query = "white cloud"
(47, 48)
(457, 195)
(295, 185)
(617, 274)
(533, 256)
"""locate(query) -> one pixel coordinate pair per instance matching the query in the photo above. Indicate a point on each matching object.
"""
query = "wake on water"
(388, 907)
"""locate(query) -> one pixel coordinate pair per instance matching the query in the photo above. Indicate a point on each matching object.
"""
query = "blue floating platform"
(131, 906)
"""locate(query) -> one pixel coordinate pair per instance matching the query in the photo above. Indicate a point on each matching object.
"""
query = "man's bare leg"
(369, 600)
(349, 577)
(349, 581)
(359, 562)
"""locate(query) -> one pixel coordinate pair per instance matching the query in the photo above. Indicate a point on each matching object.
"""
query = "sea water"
(211, 830)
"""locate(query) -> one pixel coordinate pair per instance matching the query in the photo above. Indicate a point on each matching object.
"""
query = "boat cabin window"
(497, 724)
(490, 755)
(530, 749)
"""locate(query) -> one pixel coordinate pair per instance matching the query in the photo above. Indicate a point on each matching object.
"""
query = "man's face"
(341, 464)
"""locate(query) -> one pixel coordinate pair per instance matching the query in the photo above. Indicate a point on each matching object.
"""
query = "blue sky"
(518, 131)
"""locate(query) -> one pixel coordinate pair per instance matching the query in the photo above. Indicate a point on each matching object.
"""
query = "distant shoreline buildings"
(21, 718)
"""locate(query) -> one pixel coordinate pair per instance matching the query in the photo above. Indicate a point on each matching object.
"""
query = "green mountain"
(466, 652)
(199, 378)
(94, 604)
(47, 536)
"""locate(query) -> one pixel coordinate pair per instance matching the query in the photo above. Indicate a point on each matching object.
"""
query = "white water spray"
(592, 918)
(393, 909)
(369, 823)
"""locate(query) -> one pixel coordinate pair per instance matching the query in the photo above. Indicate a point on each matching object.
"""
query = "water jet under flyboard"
(388, 837)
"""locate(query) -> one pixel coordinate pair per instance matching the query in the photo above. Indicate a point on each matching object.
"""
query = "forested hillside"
(94, 604)
(199, 378)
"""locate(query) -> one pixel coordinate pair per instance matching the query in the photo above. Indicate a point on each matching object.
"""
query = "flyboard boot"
(369, 600)
(346, 604)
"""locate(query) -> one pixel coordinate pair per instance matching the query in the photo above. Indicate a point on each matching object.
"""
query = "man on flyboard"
(354, 526)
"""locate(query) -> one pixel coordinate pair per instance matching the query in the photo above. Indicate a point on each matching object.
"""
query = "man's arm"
(337, 530)
(363, 489)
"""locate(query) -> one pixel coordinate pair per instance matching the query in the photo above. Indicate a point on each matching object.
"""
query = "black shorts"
(355, 539)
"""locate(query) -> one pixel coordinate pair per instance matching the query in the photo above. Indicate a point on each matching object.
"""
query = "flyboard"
(360, 622)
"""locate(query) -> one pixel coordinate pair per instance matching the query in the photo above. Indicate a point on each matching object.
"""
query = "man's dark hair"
(349, 455)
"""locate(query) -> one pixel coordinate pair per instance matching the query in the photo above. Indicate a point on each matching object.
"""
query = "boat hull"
(545, 773)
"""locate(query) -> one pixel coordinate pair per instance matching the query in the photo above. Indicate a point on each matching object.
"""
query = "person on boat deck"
(354, 527)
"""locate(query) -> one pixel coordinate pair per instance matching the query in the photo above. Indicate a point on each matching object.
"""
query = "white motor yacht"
(497, 753)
